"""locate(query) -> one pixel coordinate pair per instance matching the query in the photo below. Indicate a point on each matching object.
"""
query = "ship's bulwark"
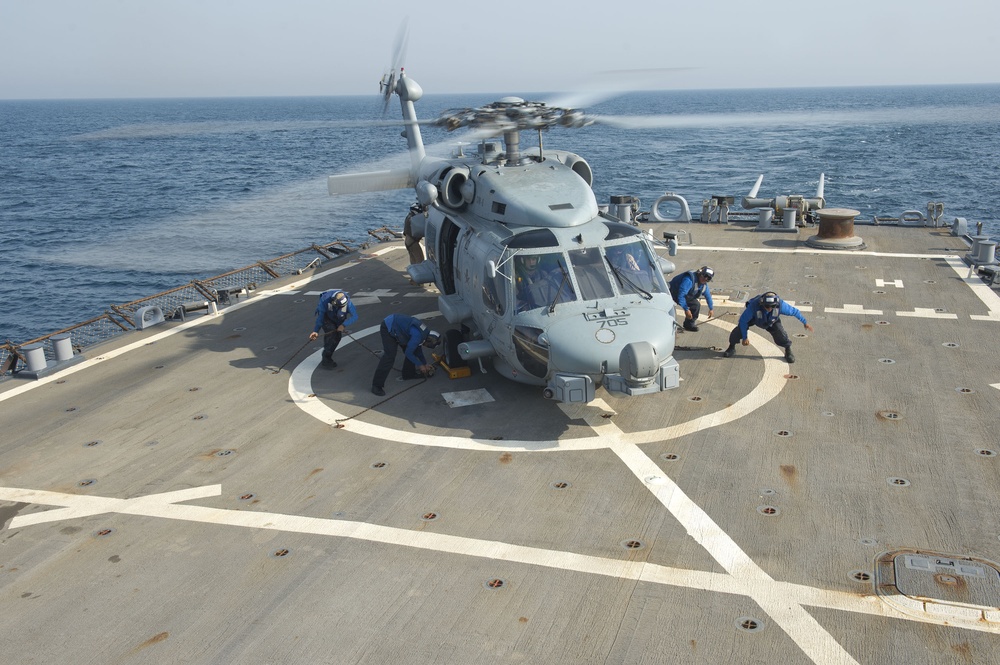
(173, 499)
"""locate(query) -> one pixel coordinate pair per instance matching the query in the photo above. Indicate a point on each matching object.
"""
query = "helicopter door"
(447, 242)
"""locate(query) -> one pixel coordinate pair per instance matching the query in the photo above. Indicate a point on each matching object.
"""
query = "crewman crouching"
(410, 334)
(334, 313)
(764, 312)
(687, 289)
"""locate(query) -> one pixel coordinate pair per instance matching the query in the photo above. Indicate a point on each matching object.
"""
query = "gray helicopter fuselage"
(574, 320)
(556, 292)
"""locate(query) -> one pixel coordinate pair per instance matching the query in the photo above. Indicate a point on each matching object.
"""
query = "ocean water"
(108, 201)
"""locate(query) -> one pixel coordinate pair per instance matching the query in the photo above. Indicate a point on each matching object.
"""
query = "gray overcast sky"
(199, 48)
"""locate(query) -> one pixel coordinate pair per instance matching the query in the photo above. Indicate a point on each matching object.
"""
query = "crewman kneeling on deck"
(334, 313)
(687, 289)
(410, 334)
(764, 312)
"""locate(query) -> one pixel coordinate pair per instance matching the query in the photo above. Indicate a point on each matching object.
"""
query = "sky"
(56, 49)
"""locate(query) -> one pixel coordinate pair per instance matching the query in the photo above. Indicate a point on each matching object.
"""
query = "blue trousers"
(331, 339)
(777, 333)
(389, 347)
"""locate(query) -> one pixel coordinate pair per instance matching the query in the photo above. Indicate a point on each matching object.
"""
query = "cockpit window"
(619, 230)
(634, 269)
(494, 291)
(541, 280)
(533, 238)
(591, 273)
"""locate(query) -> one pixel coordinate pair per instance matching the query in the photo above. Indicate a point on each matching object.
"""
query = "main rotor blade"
(903, 116)
(185, 129)
(610, 84)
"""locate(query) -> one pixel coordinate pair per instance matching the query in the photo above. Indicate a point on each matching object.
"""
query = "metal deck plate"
(467, 398)
(934, 578)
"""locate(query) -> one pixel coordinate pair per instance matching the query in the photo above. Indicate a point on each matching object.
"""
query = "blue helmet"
(770, 299)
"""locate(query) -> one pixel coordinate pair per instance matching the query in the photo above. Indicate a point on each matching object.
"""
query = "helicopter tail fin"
(374, 181)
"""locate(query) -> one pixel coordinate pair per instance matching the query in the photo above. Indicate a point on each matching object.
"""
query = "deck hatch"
(955, 581)
(939, 584)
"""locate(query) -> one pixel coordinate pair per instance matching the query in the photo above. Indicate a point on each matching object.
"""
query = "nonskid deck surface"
(204, 492)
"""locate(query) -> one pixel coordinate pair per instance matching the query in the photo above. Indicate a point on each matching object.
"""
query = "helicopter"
(549, 286)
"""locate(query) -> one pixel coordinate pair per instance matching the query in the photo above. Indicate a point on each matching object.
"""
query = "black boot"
(689, 324)
(789, 358)
(728, 353)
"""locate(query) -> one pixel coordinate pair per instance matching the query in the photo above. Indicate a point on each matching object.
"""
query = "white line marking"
(800, 626)
(301, 391)
(377, 293)
(166, 506)
(853, 309)
(980, 289)
(769, 250)
(898, 283)
(927, 313)
(751, 580)
(77, 505)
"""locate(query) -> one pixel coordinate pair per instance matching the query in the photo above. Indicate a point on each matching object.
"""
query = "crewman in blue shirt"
(687, 289)
(410, 334)
(334, 313)
(764, 312)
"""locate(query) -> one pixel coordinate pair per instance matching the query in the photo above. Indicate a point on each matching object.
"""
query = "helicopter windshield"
(540, 280)
(591, 274)
(634, 269)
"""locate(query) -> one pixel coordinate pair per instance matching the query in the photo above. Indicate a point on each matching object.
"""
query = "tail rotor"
(387, 85)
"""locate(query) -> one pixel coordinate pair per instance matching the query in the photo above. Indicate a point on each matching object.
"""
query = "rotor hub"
(512, 114)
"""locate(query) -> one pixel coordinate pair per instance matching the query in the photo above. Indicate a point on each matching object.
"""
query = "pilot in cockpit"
(631, 276)
(541, 281)
(537, 284)
(529, 282)
(627, 262)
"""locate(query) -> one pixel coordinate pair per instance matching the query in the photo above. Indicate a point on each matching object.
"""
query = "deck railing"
(221, 289)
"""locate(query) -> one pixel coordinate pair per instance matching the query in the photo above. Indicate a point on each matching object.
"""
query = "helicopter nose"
(643, 337)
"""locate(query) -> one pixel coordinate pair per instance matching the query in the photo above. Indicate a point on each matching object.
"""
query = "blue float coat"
(755, 315)
(410, 332)
(685, 286)
(339, 316)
